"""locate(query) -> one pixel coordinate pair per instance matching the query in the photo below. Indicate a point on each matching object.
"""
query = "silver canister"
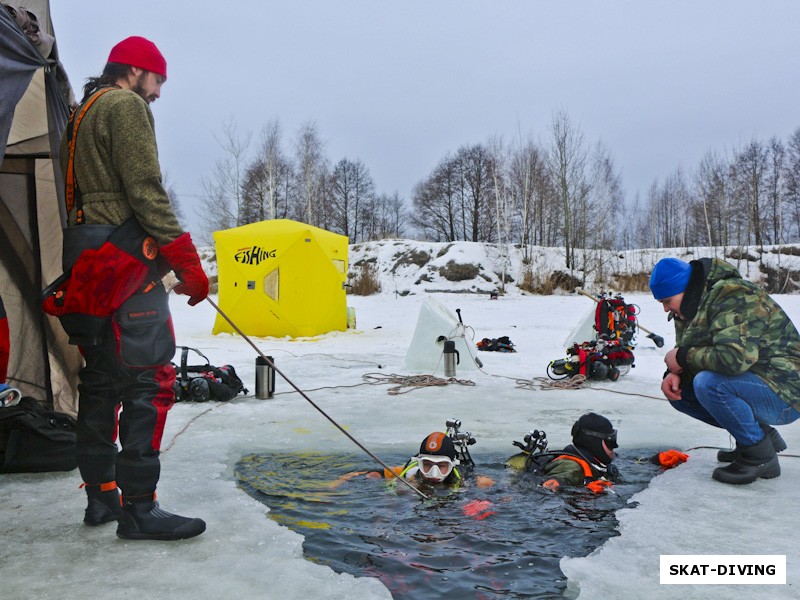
(265, 378)
(451, 358)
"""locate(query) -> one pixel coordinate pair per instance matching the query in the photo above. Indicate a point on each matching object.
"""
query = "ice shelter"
(34, 106)
(435, 324)
(281, 278)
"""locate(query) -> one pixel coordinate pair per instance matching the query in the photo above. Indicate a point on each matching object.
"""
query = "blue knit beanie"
(670, 277)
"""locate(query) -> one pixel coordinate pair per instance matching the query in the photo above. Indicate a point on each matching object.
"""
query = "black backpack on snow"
(35, 439)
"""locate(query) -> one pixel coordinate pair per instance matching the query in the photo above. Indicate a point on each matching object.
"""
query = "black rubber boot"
(104, 506)
(143, 519)
(758, 460)
(727, 456)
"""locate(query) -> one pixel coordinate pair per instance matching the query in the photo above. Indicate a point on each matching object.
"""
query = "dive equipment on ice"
(657, 339)
(200, 383)
(610, 354)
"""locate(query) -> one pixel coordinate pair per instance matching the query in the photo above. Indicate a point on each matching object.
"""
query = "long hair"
(110, 75)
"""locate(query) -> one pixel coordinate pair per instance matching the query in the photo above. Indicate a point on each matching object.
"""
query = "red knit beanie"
(139, 52)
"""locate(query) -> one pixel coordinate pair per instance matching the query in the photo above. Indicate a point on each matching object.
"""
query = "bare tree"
(435, 202)
(223, 192)
(668, 208)
(476, 211)
(275, 164)
(352, 196)
(792, 168)
(310, 170)
(390, 216)
(532, 194)
(255, 193)
(775, 180)
(748, 174)
(503, 203)
(567, 162)
(713, 194)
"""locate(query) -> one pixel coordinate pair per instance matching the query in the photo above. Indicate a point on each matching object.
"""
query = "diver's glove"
(669, 458)
(181, 255)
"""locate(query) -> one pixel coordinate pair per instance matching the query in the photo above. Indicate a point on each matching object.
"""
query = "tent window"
(339, 264)
(271, 284)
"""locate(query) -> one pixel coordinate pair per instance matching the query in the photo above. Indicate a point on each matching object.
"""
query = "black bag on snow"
(35, 439)
(199, 383)
(501, 344)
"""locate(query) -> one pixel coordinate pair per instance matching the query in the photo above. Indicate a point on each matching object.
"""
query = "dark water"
(504, 541)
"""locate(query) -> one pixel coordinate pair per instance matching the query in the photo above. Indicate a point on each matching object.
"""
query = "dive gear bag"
(199, 383)
(35, 439)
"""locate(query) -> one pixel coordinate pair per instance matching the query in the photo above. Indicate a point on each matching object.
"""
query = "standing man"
(122, 237)
(736, 363)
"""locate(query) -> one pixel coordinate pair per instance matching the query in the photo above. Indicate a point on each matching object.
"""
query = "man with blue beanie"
(736, 361)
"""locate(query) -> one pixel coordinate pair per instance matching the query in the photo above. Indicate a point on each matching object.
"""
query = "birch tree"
(567, 163)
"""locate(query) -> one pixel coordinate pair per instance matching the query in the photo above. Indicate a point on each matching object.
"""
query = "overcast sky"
(400, 84)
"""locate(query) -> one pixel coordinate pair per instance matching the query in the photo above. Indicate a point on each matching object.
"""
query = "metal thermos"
(451, 358)
(265, 378)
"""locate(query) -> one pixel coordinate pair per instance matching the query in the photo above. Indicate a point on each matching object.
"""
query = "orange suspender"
(70, 178)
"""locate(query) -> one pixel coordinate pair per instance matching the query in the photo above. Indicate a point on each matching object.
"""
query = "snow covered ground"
(47, 552)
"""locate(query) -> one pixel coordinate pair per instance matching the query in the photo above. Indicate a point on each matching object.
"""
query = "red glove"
(671, 458)
(181, 255)
(551, 484)
(599, 485)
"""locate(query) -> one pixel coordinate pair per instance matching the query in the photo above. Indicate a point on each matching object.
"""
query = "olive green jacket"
(733, 326)
(565, 471)
(117, 169)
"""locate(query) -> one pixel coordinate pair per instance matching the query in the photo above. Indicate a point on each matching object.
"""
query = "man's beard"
(138, 87)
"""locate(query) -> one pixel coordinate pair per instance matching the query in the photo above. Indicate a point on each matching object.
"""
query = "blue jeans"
(737, 403)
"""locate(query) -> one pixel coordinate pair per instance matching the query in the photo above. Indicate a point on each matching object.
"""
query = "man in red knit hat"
(122, 237)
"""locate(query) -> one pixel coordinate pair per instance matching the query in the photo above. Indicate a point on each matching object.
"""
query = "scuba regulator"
(535, 443)
(462, 440)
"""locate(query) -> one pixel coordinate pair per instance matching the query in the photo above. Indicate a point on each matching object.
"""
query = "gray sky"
(399, 84)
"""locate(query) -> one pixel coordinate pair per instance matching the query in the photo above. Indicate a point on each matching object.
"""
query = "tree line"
(557, 191)
(741, 197)
(300, 184)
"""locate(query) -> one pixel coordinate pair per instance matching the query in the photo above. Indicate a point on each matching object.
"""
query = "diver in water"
(586, 462)
(436, 462)
(443, 459)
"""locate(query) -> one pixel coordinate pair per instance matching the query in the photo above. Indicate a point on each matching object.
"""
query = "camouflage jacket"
(732, 326)
(117, 169)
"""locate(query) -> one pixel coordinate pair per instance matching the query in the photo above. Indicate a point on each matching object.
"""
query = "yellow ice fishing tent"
(281, 278)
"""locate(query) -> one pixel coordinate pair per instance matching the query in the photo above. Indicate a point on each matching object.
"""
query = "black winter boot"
(758, 460)
(143, 519)
(727, 456)
(104, 503)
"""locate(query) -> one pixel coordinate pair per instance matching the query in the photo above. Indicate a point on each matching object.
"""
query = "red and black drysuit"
(122, 238)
